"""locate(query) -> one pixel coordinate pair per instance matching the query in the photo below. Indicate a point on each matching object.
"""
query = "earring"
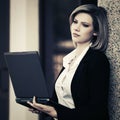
(94, 34)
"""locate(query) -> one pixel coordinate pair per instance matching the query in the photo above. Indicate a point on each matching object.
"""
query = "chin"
(75, 39)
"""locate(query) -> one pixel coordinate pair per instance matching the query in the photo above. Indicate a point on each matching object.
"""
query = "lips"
(76, 35)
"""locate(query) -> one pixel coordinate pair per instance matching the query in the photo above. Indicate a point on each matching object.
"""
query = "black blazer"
(89, 89)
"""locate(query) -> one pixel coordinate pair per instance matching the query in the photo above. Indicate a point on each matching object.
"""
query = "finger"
(37, 104)
(41, 107)
(34, 101)
(34, 110)
(29, 103)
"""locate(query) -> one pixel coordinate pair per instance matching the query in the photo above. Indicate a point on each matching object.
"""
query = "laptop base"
(23, 101)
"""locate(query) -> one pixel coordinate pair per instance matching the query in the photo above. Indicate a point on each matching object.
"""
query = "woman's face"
(82, 29)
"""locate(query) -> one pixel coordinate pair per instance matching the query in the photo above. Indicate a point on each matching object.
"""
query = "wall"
(24, 36)
(113, 53)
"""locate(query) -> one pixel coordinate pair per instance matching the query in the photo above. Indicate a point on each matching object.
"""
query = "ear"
(94, 34)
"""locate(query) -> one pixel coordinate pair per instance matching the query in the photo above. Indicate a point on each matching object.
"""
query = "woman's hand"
(43, 108)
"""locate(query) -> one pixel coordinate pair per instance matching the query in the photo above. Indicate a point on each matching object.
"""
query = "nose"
(77, 28)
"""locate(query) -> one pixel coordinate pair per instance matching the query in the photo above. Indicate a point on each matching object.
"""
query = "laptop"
(27, 77)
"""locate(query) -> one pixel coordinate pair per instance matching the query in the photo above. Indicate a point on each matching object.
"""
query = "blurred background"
(33, 25)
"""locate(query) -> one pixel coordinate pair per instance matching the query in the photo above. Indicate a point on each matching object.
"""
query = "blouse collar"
(74, 54)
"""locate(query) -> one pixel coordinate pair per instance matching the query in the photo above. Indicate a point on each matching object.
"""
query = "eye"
(85, 25)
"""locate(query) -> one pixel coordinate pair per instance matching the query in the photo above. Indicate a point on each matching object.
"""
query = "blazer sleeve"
(98, 85)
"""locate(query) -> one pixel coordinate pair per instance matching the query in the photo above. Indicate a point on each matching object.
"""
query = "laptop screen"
(26, 74)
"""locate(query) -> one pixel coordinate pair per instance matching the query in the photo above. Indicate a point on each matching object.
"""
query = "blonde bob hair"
(100, 24)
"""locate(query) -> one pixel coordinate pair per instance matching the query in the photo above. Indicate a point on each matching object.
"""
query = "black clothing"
(89, 88)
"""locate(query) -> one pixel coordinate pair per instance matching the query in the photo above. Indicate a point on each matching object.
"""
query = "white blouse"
(63, 83)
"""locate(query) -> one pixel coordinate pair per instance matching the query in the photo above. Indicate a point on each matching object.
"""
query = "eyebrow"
(86, 23)
(83, 21)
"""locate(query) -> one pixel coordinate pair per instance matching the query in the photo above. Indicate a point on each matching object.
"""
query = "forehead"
(85, 17)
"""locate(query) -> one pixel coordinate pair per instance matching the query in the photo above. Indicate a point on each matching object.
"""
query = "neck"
(81, 47)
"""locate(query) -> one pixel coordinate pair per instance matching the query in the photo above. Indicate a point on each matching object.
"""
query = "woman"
(81, 90)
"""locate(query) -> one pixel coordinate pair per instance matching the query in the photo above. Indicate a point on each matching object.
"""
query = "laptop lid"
(26, 74)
